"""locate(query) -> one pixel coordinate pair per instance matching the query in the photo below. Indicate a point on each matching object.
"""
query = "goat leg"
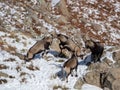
(76, 71)
(67, 77)
(60, 50)
(72, 72)
(43, 53)
(99, 56)
(63, 74)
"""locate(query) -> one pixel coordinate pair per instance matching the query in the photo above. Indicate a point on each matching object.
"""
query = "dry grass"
(33, 68)
(60, 60)
(10, 60)
(3, 81)
(23, 80)
(2, 66)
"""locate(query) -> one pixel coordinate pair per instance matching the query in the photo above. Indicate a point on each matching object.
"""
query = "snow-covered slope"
(38, 74)
(19, 27)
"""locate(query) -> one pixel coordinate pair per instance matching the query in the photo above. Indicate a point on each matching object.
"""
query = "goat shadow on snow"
(85, 61)
(39, 55)
(60, 72)
(54, 53)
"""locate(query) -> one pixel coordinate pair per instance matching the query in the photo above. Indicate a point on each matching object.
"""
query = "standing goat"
(96, 48)
(69, 66)
(38, 47)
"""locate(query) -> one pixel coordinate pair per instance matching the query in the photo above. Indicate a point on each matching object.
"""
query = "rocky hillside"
(98, 18)
(23, 22)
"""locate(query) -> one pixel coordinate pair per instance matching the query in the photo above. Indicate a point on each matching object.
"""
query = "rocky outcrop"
(79, 83)
(55, 45)
(110, 79)
(116, 55)
(101, 75)
(103, 66)
(93, 75)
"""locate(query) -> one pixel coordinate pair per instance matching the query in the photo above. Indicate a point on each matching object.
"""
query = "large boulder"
(55, 45)
(93, 75)
(116, 85)
(103, 66)
(62, 20)
(79, 83)
(111, 79)
(116, 55)
(93, 78)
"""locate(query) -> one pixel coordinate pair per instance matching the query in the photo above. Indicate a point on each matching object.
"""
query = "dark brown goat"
(38, 47)
(69, 66)
(96, 48)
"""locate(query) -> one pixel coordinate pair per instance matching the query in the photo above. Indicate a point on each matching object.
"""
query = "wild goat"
(67, 43)
(38, 47)
(96, 48)
(69, 66)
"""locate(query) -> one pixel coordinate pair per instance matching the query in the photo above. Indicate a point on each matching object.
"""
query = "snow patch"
(90, 87)
(54, 2)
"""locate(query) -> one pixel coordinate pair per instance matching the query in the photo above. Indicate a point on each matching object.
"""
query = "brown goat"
(69, 65)
(68, 43)
(38, 47)
(96, 48)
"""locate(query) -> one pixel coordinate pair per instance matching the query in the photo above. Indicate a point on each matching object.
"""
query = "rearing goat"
(38, 47)
(68, 43)
(69, 66)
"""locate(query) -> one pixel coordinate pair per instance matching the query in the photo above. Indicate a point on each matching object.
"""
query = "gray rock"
(116, 55)
(78, 84)
(111, 79)
(3, 75)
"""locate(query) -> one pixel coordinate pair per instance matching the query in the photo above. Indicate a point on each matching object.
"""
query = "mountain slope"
(22, 23)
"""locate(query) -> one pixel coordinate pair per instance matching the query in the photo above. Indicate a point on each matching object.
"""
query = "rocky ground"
(23, 22)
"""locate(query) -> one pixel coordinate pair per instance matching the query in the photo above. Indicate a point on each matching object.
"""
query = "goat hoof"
(76, 75)
(27, 60)
(66, 81)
